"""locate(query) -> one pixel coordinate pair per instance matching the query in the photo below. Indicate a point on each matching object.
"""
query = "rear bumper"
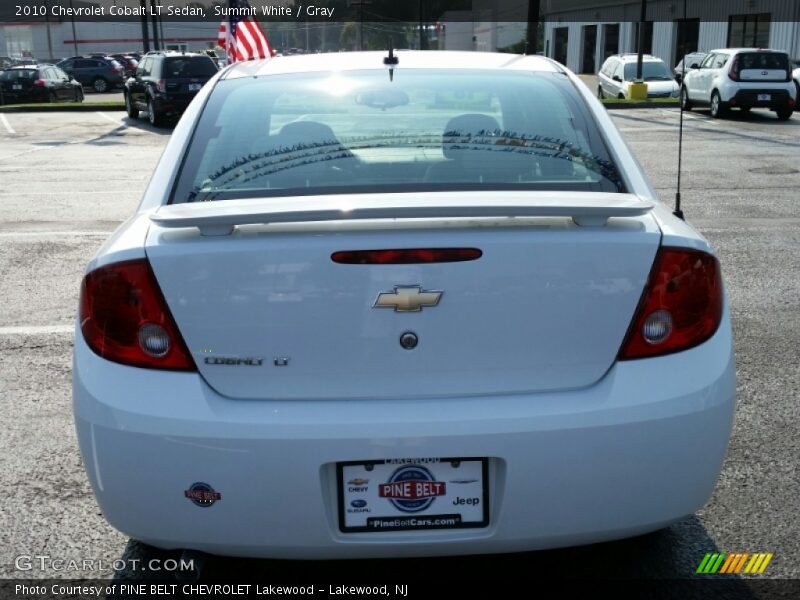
(39, 95)
(640, 449)
(749, 98)
(172, 104)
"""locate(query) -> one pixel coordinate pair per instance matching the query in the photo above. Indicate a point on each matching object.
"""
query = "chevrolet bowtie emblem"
(407, 298)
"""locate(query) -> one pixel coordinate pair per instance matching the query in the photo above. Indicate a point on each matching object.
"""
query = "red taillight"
(405, 256)
(40, 83)
(124, 318)
(681, 307)
(734, 70)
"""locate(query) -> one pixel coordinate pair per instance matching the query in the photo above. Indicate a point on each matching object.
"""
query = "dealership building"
(59, 36)
(582, 33)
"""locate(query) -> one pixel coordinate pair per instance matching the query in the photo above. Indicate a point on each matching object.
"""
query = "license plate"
(764, 97)
(193, 87)
(16, 87)
(413, 494)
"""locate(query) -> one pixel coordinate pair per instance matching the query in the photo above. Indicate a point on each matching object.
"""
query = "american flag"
(242, 37)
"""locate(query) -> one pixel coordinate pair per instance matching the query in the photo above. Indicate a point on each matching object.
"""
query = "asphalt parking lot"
(68, 179)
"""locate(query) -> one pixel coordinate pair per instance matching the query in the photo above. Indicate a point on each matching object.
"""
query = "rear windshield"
(763, 60)
(651, 71)
(18, 74)
(199, 66)
(359, 132)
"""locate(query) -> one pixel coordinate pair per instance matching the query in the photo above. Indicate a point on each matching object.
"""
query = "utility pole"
(532, 43)
(639, 58)
(50, 56)
(145, 34)
(74, 35)
(154, 18)
(422, 44)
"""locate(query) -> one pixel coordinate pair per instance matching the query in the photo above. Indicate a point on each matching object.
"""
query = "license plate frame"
(195, 87)
(764, 97)
(16, 87)
(461, 483)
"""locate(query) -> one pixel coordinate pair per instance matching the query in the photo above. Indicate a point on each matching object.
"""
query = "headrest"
(464, 129)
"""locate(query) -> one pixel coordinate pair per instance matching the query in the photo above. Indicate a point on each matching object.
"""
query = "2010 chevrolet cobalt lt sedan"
(398, 305)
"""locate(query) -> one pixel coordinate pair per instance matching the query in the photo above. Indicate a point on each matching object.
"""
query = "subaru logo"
(358, 503)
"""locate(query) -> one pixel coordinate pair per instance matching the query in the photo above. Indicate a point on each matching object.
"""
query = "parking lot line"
(112, 119)
(7, 125)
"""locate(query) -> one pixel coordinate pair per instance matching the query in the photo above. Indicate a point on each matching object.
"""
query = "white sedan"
(421, 304)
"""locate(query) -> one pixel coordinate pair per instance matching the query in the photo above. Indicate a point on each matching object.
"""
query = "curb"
(82, 107)
(627, 105)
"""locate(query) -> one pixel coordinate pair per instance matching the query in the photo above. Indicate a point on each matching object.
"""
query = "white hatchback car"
(742, 78)
(619, 71)
(374, 309)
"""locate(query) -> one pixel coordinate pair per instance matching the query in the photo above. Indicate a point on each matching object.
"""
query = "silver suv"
(742, 78)
(620, 70)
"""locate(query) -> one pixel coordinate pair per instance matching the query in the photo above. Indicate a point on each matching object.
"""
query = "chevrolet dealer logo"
(407, 298)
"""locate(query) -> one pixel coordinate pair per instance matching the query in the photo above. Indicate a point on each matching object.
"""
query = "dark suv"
(38, 83)
(100, 74)
(165, 83)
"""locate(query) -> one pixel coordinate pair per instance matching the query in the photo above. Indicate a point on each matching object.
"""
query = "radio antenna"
(678, 212)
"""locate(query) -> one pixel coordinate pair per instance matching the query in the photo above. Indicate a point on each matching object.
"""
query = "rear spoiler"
(222, 216)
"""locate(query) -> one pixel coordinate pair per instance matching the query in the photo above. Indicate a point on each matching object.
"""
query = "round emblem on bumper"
(409, 340)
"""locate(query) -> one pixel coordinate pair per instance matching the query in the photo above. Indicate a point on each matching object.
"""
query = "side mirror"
(617, 78)
(694, 66)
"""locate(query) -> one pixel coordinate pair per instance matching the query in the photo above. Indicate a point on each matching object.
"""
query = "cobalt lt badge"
(412, 489)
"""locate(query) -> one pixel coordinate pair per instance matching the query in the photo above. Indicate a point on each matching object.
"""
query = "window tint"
(763, 60)
(175, 68)
(145, 67)
(13, 74)
(719, 61)
(651, 71)
(708, 61)
(356, 132)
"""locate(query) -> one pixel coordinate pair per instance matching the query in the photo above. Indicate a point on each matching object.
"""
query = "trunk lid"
(763, 66)
(546, 306)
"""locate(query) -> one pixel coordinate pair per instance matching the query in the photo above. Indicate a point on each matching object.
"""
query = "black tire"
(100, 85)
(620, 96)
(130, 107)
(78, 96)
(745, 109)
(600, 94)
(685, 102)
(51, 97)
(156, 118)
(784, 114)
(717, 110)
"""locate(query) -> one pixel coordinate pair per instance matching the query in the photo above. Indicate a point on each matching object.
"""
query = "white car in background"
(620, 70)
(416, 304)
(742, 78)
(796, 78)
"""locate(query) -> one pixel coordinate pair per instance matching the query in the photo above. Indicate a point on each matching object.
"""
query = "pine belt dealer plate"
(413, 494)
